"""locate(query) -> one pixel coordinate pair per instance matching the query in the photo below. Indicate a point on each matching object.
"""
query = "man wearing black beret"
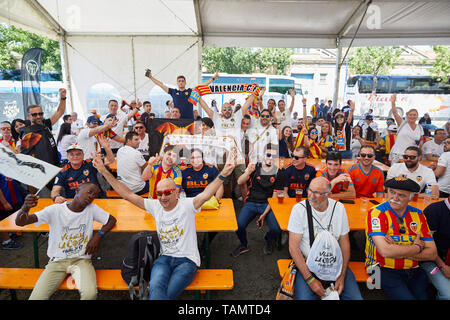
(398, 237)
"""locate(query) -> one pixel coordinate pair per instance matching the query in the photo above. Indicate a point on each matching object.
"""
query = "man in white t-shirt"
(442, 170)
(260, 134)
(434, 148)
(88, 137)
(284, 115)
(122, 119)
(77, 124)
(415, 171)
(139, 128)
(179, 260)
(130, 164)
(328, 214)
(71, 240)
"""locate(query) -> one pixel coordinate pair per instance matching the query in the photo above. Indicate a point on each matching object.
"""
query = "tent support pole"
(337, 73)
(66, 69)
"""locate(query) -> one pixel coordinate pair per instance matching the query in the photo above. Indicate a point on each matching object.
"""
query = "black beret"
(208, 122)
(402, 183)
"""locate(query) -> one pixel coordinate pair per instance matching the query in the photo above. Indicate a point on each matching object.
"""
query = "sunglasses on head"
(297, 157)
(406, 157)
(37, 114)
(368, 155)
(167, 192)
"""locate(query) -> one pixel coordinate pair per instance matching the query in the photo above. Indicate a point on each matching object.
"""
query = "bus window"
(280, 85)
(400, 85)
(365, 85)
(352, 81)
(298, 89)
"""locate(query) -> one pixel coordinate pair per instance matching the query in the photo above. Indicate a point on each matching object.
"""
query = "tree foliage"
(14, 42)
(247, 60)
(374, 60)
(441, 66)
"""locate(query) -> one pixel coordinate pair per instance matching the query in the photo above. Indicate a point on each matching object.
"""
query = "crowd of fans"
(264, 133)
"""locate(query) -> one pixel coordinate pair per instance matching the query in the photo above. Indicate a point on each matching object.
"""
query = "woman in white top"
(409, 132)
(65, 139)
(356, 142)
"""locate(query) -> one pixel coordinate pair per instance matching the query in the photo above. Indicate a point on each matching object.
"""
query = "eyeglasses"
(402, 229)
(316, 193)
(297, 157)
(406, 157)
(40, 114)
(265, 116)
(368, 155)
(167, 192)
(227, 109)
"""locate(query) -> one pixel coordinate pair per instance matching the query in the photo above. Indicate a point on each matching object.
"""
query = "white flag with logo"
(26, 169)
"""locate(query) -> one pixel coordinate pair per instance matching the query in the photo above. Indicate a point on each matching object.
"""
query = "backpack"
(143, 250)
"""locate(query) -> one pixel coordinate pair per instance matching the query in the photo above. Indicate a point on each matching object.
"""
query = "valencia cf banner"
(31, 77)
(158, 127)
(201, 90)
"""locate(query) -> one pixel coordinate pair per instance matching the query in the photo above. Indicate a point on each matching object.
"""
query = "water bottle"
(427, 198)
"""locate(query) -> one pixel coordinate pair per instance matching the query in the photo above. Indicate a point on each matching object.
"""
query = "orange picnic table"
(356, 213)
(320, 163)
(133, 219)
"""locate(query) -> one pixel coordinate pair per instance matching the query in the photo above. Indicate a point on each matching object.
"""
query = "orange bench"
(114, 194)
(358, 269)
(25, 279)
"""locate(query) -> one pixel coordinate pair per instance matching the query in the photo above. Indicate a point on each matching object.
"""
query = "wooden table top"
(133, 219)
(320, 163)
(356, 213)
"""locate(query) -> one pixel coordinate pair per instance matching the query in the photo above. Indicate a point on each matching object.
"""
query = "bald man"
(177, 265)
(327, 214)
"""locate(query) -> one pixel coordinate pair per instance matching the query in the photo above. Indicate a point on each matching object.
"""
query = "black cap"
(207, 121)
(402, 183)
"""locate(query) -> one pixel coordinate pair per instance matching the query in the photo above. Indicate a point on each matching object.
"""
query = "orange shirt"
(366, 183)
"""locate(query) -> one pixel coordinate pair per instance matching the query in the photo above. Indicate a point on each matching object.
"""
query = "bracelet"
(101, 233)
(221, 177)
(310, 280)
(63, 98)
(420, 247)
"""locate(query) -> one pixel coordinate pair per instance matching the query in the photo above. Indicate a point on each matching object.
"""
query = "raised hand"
(62, 93)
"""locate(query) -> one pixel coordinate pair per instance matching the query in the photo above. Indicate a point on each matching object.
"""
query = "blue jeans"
(439, 281)
(170, 276)
(248, 212)
(350, 292)
(408, 284)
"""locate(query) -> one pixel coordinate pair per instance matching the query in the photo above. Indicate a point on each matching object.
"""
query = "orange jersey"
(159, 174)
(382, 220)
(338, 187)
(366, 183)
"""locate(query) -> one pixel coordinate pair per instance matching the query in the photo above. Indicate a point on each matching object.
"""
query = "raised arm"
(214, 77)
(247, 173)
(22, 217)
(305, 113)
(247, 103)
(119, 187)
(106, 126)
(395, 113)
(61, 107)
(158, 83)
(104, 143)
(352, 112)
(205, 107)
(292, 93)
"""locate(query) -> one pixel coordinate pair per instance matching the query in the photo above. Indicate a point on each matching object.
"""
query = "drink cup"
(298, 195)
(280, 196)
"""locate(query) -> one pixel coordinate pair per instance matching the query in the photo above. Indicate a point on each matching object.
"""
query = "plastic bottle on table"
(427, 197)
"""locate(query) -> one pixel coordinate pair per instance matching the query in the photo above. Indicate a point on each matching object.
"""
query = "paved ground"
(255, 274)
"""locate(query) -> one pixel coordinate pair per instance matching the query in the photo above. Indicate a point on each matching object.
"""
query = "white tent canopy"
(113, 41)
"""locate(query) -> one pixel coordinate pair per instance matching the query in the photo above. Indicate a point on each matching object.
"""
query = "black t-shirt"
(438, 218)
(298, 179)
(262, 185)
(180, 100)
(37, 141)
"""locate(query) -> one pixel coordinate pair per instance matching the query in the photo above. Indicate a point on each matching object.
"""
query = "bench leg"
(208, 254)
(36, 249)
(13, 294)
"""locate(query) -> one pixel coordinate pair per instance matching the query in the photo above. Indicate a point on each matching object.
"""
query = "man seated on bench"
(71, 240)
(327, 214)
(177, 265)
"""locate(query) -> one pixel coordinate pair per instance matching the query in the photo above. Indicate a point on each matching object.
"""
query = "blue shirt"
(70, 179)
(194, 182)
(298, 179)
(180, 100)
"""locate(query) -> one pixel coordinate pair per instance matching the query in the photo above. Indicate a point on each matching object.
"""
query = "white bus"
(277, 88)
(423, 93)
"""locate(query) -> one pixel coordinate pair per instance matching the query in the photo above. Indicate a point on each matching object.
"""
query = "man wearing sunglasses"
(412, 169)
(37, 139)
(283, 114)
(327, 214)
(398, 237)
(366, 177)
(260, 134)
(298, 174)
(265, 179)
(179, 260)
(139, 128)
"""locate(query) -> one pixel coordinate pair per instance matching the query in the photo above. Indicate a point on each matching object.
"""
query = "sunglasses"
(297, 157)
(406, 157)
(40, 114)
(402, 229)
(227, 109)
(269, 155)
(265, 116)
(314, 132)
(167, 192)
(368, 155)
(6, 129)
(139, 127)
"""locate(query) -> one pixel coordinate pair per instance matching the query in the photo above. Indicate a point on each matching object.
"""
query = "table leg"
(208, 254)
(13, 294)
(36, 249)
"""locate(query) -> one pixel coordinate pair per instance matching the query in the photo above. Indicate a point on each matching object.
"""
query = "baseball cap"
(392, 127)
(339, 114)
(231, 100)
(75, 146)
(93, 119)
